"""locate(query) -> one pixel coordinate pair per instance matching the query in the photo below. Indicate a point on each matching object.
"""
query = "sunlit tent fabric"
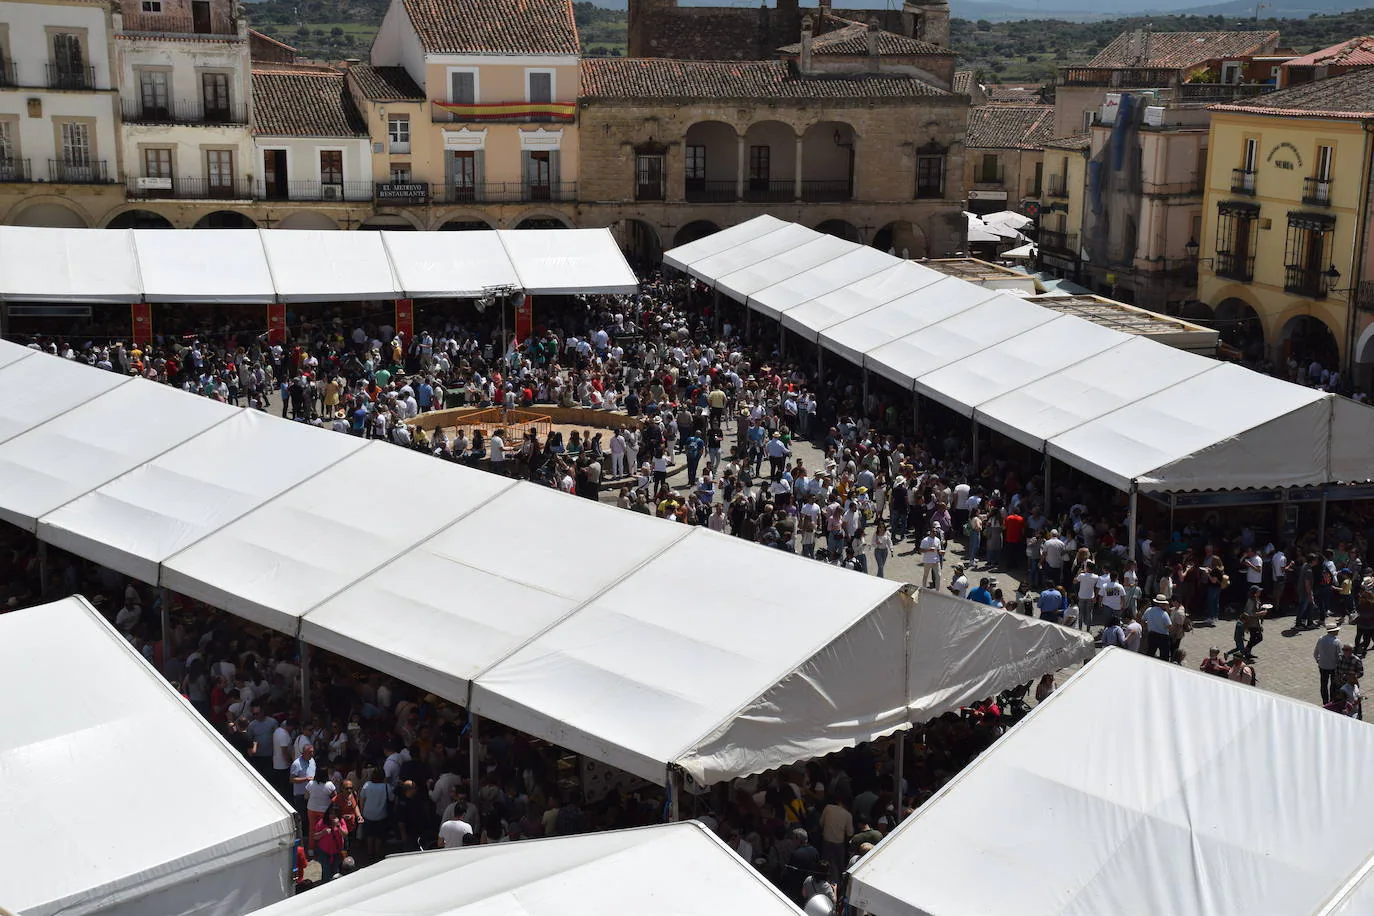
(35, 389)
(87, 710)
(684, 256)
(428, 265)
(313, 264)
(566, 261)
(1209, 797)
(1134, 413)
(259, 266)
(95, 442)
(680, 869)
(65, 265)
(858, 262)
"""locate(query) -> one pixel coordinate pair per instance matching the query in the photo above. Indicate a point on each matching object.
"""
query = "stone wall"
(661, 28)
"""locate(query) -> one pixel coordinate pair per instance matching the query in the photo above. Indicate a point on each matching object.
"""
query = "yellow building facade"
(1061, 210)
(1285, 223)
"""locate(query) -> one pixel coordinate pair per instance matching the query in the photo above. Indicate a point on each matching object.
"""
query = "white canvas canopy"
(490, 596)
(86, 710)
(678, 869)
(1209, 797)
(260, 266)
(38, 388)
(1130, 411)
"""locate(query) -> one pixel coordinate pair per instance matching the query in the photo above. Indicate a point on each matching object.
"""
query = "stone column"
(739, 169)
(797, 180)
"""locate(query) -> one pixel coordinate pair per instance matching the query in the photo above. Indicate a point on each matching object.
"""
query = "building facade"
(1285, 238)
(1059, 243)
(1004, 157)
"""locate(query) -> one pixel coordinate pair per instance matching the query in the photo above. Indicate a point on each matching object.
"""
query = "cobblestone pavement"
(1285, 658)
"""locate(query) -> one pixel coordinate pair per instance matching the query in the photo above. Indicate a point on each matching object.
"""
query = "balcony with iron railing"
(1243, 181)
(1364, 296)
(190, 189)
(12, 170)
(61, 76)
(505, 192)
(1056, 187)
(1034, 189)
(1316, 192)
(1216, 92)
(1235, 267)
(184, 111)
(1062, 242)
(151, 25)
(1118, 77)
(9, 74)
(771, 190)
(91, 171)
(1304, 281)
(825, 190)
(711, 190)
(314, 191)
(988, 177)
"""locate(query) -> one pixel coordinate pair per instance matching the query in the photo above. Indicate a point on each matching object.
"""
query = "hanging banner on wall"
(141, 314)
(405, 319)
(276, 323)
(524, 319)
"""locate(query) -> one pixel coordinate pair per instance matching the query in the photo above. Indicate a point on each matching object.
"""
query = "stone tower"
(929, 20)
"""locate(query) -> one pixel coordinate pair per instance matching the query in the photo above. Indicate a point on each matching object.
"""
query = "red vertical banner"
(524, 319)
(141, 313)
(276, 323)
(405, 319)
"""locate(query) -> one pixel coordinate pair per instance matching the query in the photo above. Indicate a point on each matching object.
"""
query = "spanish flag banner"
(511, 111)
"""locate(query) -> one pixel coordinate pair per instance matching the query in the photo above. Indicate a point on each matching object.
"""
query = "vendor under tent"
(668, 870)
(246, 516)
(86, 710)
(1208, 797)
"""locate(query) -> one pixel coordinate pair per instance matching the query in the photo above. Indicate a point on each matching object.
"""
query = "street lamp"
(1190, 248)
(1332, 276)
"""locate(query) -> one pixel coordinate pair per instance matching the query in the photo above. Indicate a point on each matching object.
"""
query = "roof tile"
(1010, 126)
(1177, 50)
(1350, 96)
(850, 39)
(640, 78)
(303, 102)
(494, 26)
(1357, 52)
(385, 84)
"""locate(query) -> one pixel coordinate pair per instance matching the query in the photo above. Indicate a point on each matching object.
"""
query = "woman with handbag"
(331, 840)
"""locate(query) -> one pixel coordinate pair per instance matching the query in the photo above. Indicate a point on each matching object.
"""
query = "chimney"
(873, 57)
(804, 60)
(824, 10)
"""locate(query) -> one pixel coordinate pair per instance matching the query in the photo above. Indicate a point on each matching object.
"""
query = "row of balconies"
(184, 111)
(1316, 192)
(51, 76)
(778, 190)
(1298, 280)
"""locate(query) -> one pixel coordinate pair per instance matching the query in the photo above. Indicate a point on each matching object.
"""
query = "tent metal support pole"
(305, 678)
(1131, 520)
(674, 795)
(1048, 491)
(1321, 523)
(164, 601)
(43, 569)
(474, 765)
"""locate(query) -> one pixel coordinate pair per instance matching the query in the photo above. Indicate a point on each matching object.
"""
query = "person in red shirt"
(1014, 528)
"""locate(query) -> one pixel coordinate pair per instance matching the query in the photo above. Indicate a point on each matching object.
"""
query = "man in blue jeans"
(1052, 604)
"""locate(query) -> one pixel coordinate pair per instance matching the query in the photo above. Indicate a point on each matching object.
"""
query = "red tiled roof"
(690, 80)
(385, 84)
(1357, 52)
(494, 26)
(1010, 126)
(1347, 97)
(303, 101)
(851, 40)
(1177, 50)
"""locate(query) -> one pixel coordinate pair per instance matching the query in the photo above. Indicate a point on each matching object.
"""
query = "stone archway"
(640, 242)
(712, 162)
(827, 164)
(901, 238)
(770, 164)
(224, 219)
(1238, 325)
(51, 215)
(698, 229)
(391, 222)
(542, 221)
(842, 229)
(139, 219)
(307, 219)
(465, 225)
(1308, 339)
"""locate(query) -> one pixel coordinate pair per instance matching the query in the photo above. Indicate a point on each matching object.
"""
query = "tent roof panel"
(568, 261)
(678, 667)
(1161, 791)
(286, 556)
(839, 273)
(449, 264)
(110, 713)
(831, 308)
(184, 267)
(1352, 431)
(1162, 428)
(711, 269)
(1089, 388)
(680, 868)
(823, 249)
(13, 352)
(902, 316)
(43, 386)
(68, 265)
(684, 256)
(319, 265)
(91, 444)
(955, 338)
(138, 520)
(991, 370)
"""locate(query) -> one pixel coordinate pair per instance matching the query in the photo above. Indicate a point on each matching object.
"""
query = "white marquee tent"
(283, 265)
(1205, 797)
(108, 779)
(494, 595)
(1132, 412)
(678, 869)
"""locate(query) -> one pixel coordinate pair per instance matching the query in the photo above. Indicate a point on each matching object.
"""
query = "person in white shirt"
(1052, 552)
(959, 587)
(1253, 566)
(452, 832)
(931, 551)
(283, 752)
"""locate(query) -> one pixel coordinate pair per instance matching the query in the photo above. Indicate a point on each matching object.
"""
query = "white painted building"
(186, 99)
(57, 101)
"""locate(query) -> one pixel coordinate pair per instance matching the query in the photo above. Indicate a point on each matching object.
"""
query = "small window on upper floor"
(151, 6)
